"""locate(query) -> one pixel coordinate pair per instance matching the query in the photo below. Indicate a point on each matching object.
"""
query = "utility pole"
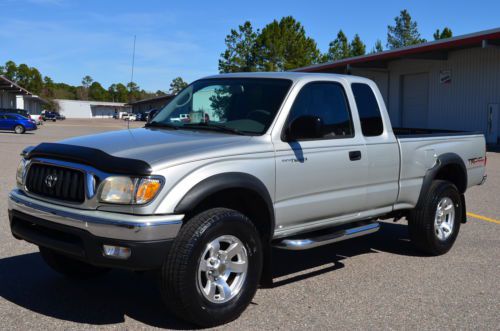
(131, 79)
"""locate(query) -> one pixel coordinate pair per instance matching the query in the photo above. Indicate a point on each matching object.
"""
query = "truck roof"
(294, 76)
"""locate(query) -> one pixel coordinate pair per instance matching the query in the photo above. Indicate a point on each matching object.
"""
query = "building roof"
(10, 86)
(94, 103)
(435, 50)
(154, 99)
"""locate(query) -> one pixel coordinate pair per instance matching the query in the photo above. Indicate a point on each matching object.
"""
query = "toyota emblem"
(50, 181)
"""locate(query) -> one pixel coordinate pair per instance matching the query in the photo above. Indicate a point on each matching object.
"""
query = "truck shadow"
(26, 281)
(391, 238)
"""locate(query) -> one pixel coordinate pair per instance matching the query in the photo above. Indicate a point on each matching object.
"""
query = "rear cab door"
(382, 148)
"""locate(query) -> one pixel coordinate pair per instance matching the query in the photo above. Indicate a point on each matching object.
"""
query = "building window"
(368, 109)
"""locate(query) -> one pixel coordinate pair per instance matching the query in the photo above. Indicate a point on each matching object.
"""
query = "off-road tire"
(421, 219)
(180, 290)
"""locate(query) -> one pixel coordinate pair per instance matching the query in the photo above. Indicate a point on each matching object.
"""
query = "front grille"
(56, 182)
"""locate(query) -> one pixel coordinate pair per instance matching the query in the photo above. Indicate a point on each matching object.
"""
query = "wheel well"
(247, 202)
(454, 174)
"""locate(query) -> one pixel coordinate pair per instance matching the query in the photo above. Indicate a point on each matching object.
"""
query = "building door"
(415, 100)
(492, 133)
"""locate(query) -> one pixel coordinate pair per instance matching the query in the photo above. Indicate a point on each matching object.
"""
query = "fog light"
(116, 252)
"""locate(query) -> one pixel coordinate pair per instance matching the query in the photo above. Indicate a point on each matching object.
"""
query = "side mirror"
(305, 127)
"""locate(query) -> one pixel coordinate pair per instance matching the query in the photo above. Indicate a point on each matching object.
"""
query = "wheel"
(434, 226)
(54, 120)
(69, 267)
(213, 268)
(19, 129)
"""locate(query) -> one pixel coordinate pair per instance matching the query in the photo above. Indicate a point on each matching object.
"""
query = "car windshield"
(231, 105)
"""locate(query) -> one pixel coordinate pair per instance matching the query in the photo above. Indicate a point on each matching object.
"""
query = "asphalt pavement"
(374, 282)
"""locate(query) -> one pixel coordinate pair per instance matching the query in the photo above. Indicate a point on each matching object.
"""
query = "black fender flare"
(442, 161)
(219, 182)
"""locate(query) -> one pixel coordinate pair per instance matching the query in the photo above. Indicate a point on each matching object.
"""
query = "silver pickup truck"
(287, 160)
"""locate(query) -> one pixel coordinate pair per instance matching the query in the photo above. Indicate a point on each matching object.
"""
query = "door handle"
(355, 155)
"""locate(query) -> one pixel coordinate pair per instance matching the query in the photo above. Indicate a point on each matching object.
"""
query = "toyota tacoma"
(286, 160)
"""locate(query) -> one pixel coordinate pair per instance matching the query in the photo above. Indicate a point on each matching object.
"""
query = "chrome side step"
(325, 239)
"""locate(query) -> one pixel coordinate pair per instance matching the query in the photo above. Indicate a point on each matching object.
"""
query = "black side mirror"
(305, 127)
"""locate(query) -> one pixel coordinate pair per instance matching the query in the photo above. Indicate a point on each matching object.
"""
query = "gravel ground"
(375, 282)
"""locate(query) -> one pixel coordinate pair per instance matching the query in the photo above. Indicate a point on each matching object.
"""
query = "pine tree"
(446, 33)
(404, 32)
(338, 48)
(357, 47)
(240, 50)
(177, 85)
(378, 47)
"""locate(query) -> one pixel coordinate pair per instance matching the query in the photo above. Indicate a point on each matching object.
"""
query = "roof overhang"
(11, 87)
(433, 50)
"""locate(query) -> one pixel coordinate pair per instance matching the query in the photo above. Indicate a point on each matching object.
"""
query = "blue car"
(17, 123)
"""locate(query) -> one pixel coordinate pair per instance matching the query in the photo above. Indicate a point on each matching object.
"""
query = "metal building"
(14, 96)
(90, 109)
(446, 84)
(145, 105)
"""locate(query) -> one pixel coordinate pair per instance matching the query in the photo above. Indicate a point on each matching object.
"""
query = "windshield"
(232, 105)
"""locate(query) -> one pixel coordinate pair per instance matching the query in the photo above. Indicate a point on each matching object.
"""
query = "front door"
(320, 179)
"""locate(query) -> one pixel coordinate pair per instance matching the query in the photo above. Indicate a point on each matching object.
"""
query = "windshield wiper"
(161, 125)
(213, 126)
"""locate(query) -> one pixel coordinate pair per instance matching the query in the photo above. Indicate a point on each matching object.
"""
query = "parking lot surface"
(373, 282)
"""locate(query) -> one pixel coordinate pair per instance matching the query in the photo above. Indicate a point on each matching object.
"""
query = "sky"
(68, 39)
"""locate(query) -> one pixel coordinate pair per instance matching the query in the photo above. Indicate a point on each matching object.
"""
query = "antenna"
(131, 78)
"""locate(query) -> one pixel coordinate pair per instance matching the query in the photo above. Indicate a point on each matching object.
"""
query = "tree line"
(32, 80)
(284, 45)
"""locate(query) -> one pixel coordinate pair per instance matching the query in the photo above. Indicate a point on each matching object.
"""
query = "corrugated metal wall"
(461, 104)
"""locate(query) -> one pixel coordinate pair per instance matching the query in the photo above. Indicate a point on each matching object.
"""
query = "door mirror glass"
(305, 127)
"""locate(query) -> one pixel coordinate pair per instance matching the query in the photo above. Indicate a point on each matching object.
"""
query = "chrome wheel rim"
(222, 269)
(444, 219)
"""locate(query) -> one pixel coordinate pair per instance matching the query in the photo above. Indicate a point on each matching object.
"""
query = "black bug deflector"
(92, 157)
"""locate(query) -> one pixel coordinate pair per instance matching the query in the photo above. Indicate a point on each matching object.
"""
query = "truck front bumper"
(82, 234)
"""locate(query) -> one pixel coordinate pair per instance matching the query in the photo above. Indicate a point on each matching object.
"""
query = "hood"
(155, 145)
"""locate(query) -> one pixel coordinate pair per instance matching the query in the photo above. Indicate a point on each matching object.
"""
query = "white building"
(90, 109)
(446, 84)
(15, 97)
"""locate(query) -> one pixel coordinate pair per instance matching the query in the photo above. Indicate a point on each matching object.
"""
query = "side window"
(368, 109)
(326, 100)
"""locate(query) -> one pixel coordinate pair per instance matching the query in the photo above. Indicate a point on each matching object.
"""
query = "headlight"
(21, 168)
(126, 190)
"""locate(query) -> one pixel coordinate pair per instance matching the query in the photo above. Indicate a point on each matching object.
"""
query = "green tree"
(446, 33)
(86, 81)
(48, 88)
(284, 45)
(378, 47)
(338, 48)
(9, 70)
(240, 54)
(121, 93)
(97, 92)
(404, 32)
(357, 47)
(177, 85)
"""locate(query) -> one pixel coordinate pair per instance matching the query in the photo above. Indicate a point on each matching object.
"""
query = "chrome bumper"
(100, 223)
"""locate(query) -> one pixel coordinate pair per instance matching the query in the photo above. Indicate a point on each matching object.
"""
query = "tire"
(70, 267)
(53, 120)
(183, 279)
(427, 232)
(19, 129)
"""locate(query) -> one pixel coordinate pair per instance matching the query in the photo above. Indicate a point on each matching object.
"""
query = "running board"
(325, 239)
